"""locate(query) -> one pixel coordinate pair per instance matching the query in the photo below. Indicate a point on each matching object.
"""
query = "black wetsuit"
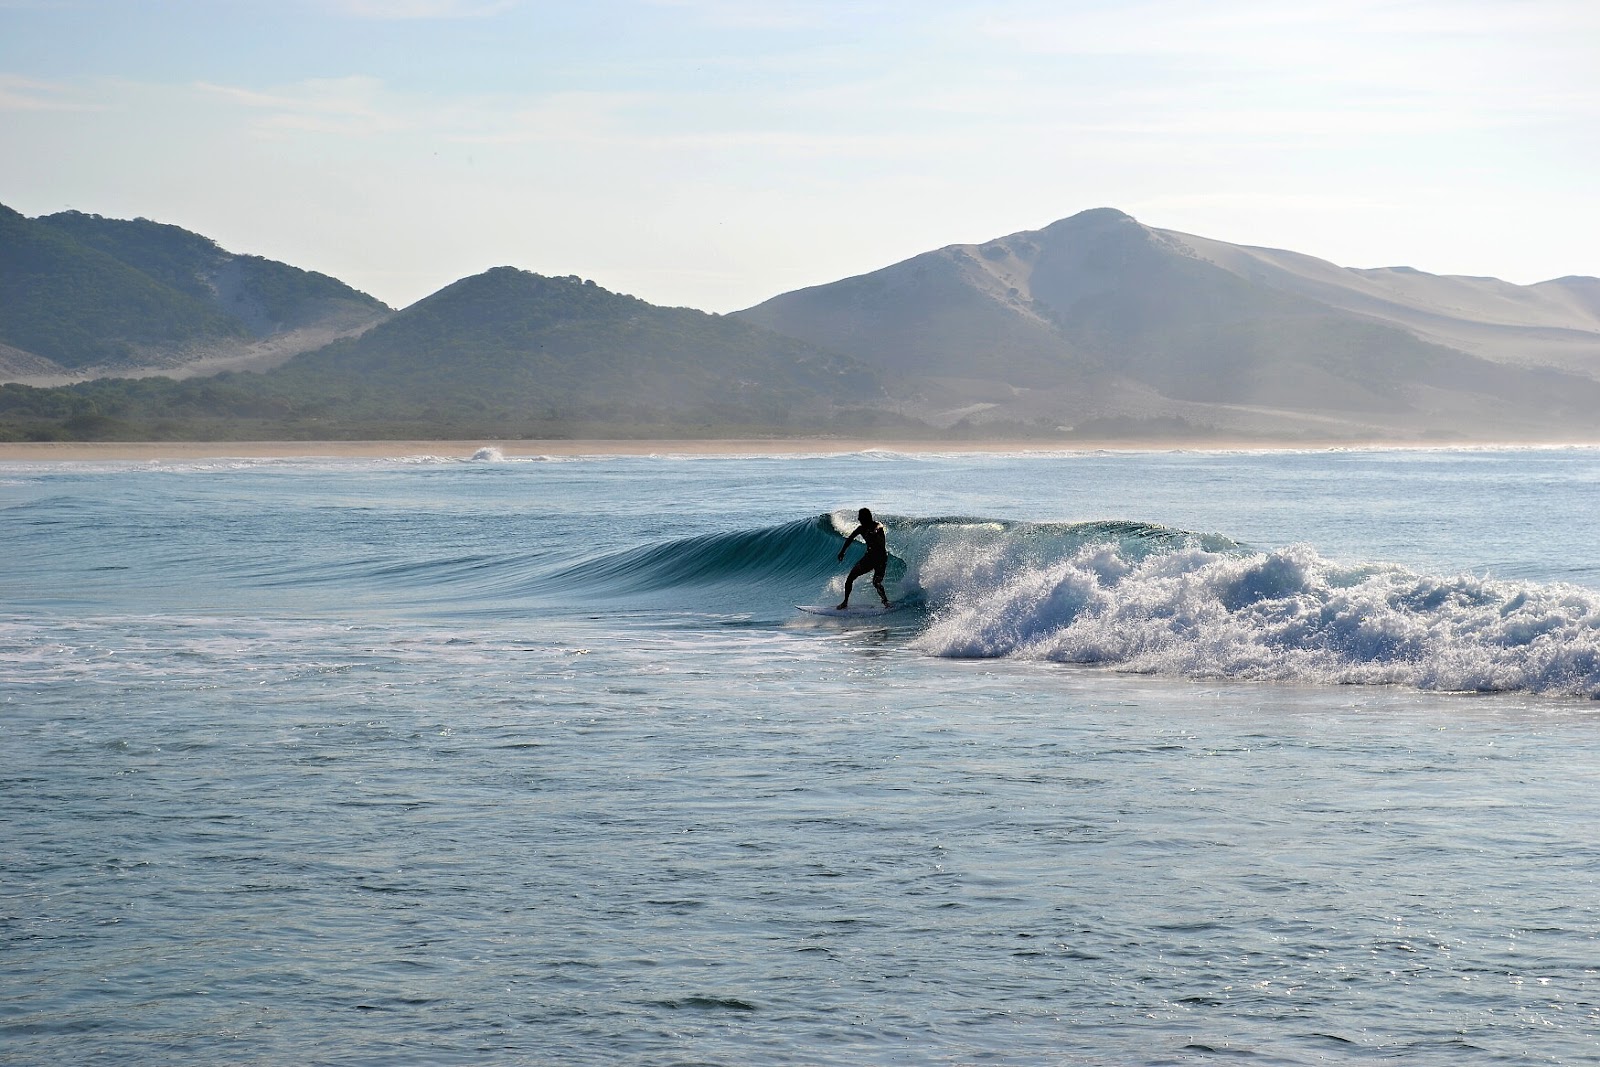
(876, 538)
(877, 541)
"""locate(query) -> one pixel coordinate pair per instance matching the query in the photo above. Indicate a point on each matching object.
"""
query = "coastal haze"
(1095, 325)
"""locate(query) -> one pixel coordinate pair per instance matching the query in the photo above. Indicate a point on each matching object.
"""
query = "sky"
(714, 153)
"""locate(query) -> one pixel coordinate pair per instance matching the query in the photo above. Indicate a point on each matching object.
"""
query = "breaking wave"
(1285, 615)
(1144, 598)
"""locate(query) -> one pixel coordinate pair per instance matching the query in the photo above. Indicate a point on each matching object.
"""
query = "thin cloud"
(354, 106)
(761, 14)
(425, 9)
(1382, 65)
(26, 94)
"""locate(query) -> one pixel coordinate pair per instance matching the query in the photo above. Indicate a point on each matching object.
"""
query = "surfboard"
(853, 611)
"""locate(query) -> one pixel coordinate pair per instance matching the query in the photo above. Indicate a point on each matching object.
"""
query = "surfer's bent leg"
(877, 580)
(857, 571)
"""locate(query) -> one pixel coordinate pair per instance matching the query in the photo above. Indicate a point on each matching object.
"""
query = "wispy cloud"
(566, 117)
(424, 9)
(1268, 29)
(1406, 40)
(353, 106)
(765, 14)
(27, 94)
(1384, 66)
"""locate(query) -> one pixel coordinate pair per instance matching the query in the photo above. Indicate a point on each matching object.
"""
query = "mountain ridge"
(1128, 323)
(1093, 325)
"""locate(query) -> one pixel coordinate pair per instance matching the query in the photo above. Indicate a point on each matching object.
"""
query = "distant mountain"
(83, 296)
(1101, 323)
(504, 353)
(518, 342)
(1094, 326)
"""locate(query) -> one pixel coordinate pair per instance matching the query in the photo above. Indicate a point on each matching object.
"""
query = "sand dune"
(1554, 323)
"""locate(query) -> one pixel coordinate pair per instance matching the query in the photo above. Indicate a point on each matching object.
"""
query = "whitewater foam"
(1284, 615)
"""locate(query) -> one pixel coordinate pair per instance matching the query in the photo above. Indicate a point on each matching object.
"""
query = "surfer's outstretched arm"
(853, 535)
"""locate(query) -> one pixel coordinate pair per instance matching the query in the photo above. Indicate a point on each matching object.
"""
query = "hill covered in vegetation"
(77, 306)
(84, 296)
(505, 353)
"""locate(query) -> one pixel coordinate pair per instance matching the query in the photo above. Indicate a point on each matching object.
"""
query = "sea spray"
(1282, 615)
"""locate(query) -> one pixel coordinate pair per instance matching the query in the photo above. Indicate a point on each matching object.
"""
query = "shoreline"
(161, 451)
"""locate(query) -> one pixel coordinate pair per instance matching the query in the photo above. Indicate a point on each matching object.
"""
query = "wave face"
(747, 567)
(779, 563)
(1201, 610)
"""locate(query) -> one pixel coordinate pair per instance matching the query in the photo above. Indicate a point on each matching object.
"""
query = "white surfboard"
(853, 611)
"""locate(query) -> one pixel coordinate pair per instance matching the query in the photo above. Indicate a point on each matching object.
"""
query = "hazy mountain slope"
(86, 296)
(265, 296)
(1097, 317)
(1151, 312)
(78, 306)
(503, 353)
(1554, 323)
(944, 313)
(508, 339)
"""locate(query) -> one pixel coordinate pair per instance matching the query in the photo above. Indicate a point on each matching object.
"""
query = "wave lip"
(1285, 615)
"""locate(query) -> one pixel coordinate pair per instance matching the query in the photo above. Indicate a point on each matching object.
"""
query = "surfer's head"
(865, 515)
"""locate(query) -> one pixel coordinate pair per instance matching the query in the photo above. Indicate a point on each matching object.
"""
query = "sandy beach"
(180, 451)
(45, 451)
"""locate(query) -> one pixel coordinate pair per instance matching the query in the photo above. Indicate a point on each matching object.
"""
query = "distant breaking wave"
(1143, 598)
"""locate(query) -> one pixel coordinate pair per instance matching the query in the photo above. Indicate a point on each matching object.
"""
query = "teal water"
(1171, 758)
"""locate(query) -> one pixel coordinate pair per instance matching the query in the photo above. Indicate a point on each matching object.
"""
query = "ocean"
(1164, 758)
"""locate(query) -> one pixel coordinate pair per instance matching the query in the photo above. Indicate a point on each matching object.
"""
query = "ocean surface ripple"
(1168, 758)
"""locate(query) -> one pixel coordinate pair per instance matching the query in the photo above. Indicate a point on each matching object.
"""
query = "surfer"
(876, 538)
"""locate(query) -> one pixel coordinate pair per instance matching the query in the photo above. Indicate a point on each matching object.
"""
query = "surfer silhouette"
(876, 538)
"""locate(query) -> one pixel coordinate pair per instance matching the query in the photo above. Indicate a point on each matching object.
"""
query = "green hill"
(510, 340)
(263, 295)
(79, 306)
(83, 293)
(504, 353)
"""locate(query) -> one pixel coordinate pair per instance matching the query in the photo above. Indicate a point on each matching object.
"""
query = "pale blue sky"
(714, 153)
